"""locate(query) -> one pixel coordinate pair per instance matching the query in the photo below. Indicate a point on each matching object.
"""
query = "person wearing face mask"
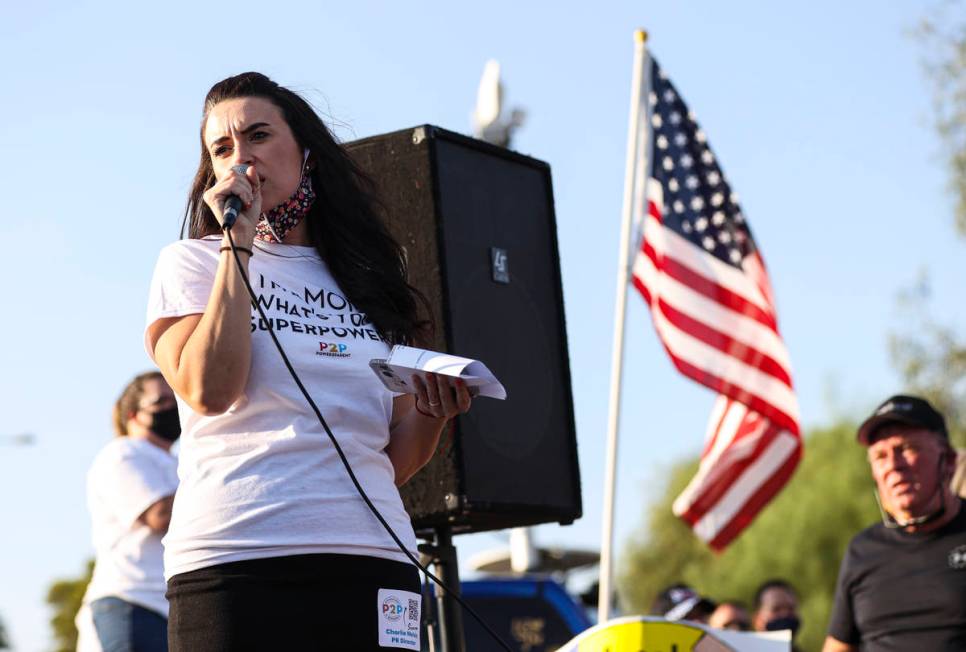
(270, 540)
(776, 607)
(902, 583)
(130, 490)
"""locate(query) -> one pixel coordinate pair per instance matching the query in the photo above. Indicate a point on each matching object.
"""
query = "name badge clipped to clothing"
(399, 613)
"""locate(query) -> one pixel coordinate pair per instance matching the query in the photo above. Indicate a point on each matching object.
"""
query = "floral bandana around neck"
(276, 223)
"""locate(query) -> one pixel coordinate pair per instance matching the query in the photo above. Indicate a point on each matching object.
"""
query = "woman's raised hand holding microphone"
(240, 184)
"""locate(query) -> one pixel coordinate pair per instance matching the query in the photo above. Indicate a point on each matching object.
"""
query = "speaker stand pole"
(450, 615)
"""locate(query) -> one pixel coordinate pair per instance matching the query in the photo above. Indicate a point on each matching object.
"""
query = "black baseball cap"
(679, 601)
(904, 409)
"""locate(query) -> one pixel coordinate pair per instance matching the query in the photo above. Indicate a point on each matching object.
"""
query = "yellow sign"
(644, 636)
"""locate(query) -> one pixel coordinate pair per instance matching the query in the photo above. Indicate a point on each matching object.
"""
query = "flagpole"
(634, 147)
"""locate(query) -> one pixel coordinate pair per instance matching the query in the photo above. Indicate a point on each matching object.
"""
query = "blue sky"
(818, 113)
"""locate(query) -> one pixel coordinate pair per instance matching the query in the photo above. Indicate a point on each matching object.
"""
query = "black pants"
(301, 602)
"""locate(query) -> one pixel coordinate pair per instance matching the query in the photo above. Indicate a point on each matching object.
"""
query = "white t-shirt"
(127, 477)
(263, 479)
(87, 639)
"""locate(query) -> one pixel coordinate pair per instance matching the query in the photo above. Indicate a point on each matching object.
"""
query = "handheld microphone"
(233, 207)
(233, 204)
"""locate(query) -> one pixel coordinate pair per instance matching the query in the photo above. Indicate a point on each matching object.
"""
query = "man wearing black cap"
(902, 584)
(681, 602)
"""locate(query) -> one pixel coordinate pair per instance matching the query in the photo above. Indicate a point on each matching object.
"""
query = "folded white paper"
(404, 362)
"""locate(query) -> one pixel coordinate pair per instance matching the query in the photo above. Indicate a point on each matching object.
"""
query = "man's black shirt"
(903, 591)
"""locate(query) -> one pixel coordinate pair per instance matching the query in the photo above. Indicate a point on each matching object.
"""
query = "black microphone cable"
(342, 456)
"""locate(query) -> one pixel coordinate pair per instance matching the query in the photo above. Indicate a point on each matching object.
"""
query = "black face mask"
(166, 424)
(788, 622)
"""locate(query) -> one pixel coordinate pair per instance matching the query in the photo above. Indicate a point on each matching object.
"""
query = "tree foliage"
(801, 536)
(943, 35)
(65, 597)
(931, 358)
(4, 643)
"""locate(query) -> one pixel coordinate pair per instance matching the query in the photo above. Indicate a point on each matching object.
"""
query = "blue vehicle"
(532, 614)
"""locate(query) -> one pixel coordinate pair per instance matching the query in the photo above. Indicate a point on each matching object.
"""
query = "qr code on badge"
(414, 610)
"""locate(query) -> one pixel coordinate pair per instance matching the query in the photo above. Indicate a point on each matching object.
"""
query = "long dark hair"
(343, 225)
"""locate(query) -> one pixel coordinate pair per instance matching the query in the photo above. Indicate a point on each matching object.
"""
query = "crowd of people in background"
(775, 608)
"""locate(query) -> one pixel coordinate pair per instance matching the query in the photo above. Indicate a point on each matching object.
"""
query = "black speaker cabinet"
(478, 228)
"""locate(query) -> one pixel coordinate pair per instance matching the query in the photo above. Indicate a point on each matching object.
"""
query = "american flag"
(701, 273)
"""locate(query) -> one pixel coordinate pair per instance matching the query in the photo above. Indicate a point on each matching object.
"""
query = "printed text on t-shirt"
(316, 312)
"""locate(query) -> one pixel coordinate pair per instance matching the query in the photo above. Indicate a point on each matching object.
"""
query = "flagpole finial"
(640, 36)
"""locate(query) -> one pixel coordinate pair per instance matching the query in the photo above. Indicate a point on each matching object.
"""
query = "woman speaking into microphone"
(270, 544)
